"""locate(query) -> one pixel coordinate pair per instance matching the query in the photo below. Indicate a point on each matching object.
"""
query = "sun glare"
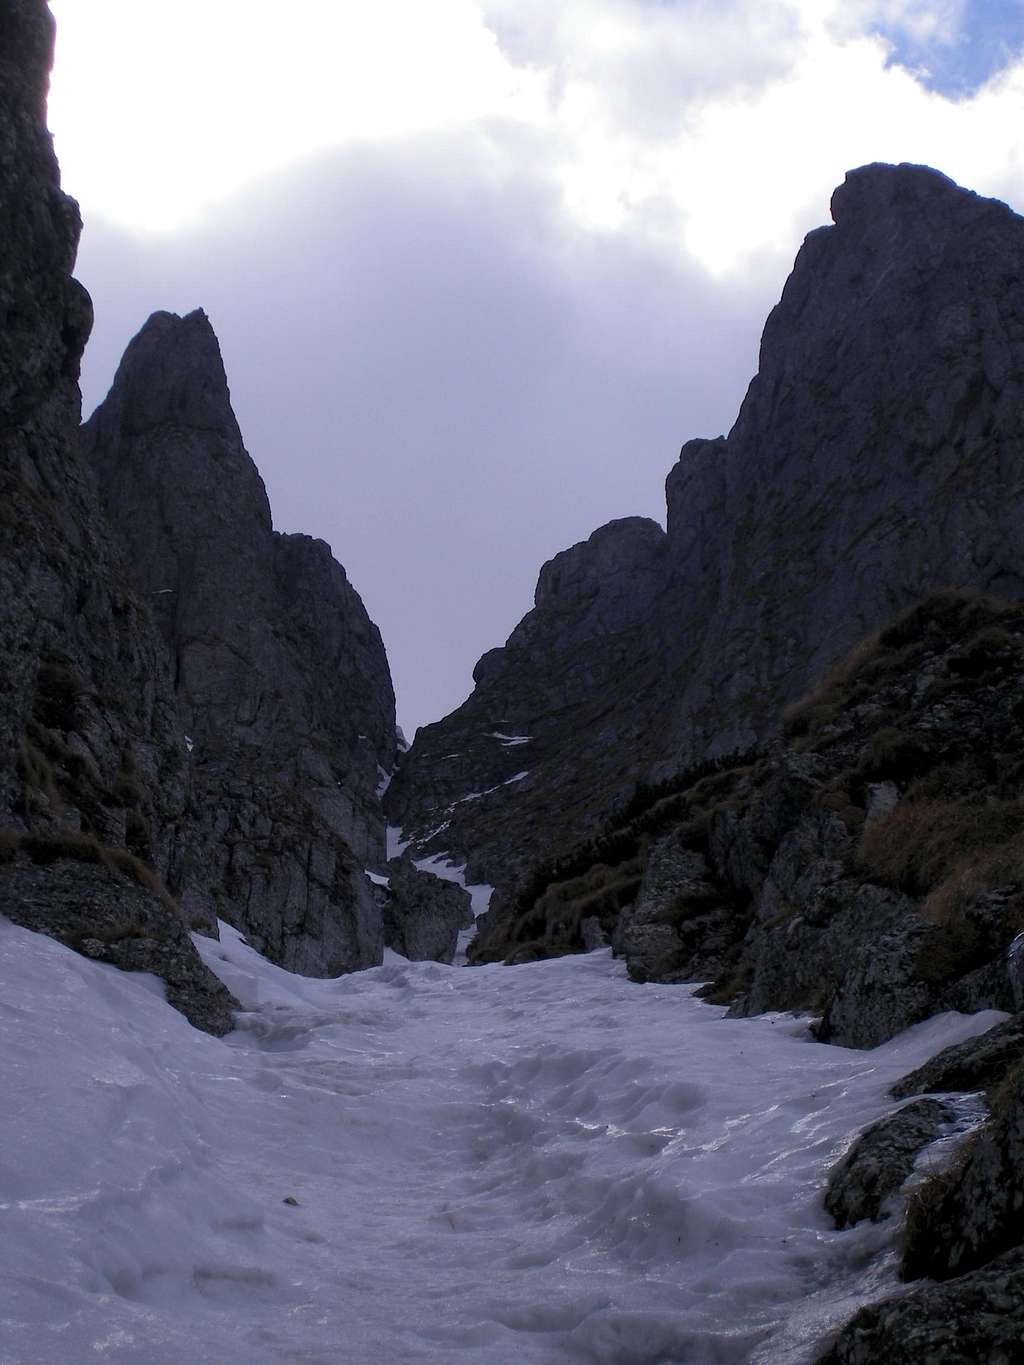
(159, 110)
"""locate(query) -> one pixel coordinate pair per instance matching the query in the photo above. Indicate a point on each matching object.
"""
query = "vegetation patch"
(46, 848)
(921, 843)
(894, 651)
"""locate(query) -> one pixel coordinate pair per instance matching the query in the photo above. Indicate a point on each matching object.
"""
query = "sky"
(479, 267)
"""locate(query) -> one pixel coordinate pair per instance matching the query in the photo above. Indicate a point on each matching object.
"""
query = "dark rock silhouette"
(866, 1181)
(281, 678)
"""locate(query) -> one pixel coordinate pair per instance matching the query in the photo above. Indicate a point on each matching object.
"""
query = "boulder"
(979, 1317)
(970, 1215)
(973, 1065)
(865, 1183)
(423, 913)
(104, 914)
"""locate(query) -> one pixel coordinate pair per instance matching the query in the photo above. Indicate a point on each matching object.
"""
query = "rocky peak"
(615, 565)
(172, 374)
(281, 679)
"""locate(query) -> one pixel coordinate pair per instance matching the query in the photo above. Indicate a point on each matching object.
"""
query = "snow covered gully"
(421, 1163)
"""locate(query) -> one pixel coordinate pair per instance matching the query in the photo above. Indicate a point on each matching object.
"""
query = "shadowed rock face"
(281, 679)
(88, 733)
(89, 737)
(878, 455)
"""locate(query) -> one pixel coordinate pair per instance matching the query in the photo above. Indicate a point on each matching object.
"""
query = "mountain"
(878, 456)
(280, 677)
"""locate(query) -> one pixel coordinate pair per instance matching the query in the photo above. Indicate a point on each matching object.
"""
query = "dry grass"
(39, 780)
(940, 618)
(990, 869)
(922, 843)
(553, 922)
(44, 849)
(924, 1214)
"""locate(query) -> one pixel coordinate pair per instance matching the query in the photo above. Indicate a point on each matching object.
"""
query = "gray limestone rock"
(973, 1213)
(561, 702)
(104, 915)
(89, 738)
(973, 1065)
(281, 679)
(681, 924)
(977, 1318)
(423, 913)
(593, 936)
(864, 1184)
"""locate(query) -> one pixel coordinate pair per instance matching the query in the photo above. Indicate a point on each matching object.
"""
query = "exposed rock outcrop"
(977, 1318)
(973, 1213)
(784, 877)
(536, 754)
(104, 915)
(866, 1181)
(281, 679)
(974, 1065)
(89, 739)
(878, 455)
(423, 913)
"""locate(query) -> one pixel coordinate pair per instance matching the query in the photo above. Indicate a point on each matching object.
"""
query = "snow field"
(540, 1164)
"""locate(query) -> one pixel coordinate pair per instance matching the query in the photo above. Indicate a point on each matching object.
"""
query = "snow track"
(540, 1164)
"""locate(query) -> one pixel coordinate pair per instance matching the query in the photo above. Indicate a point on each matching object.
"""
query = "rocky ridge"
(876, 457)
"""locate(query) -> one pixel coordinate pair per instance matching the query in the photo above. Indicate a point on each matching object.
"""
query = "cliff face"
(93, 766)
(86, 701)
(281, 680)
(878, 455)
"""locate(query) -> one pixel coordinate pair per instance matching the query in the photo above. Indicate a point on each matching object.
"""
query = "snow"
(377, 878)
(396, 842)
(383, 781)
(538, 1164)
(516, 777)
(509, 741)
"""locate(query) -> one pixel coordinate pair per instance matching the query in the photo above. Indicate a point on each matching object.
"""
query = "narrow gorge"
(751, 781)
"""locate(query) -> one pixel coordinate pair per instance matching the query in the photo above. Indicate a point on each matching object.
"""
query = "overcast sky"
(479, 267)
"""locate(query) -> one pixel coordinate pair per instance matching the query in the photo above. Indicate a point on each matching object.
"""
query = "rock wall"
(281, 679)
(878, 454)
(93, 764)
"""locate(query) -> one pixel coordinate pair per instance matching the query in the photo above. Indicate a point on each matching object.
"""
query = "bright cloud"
(706, 124)
(161, 109)
(711, 126)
